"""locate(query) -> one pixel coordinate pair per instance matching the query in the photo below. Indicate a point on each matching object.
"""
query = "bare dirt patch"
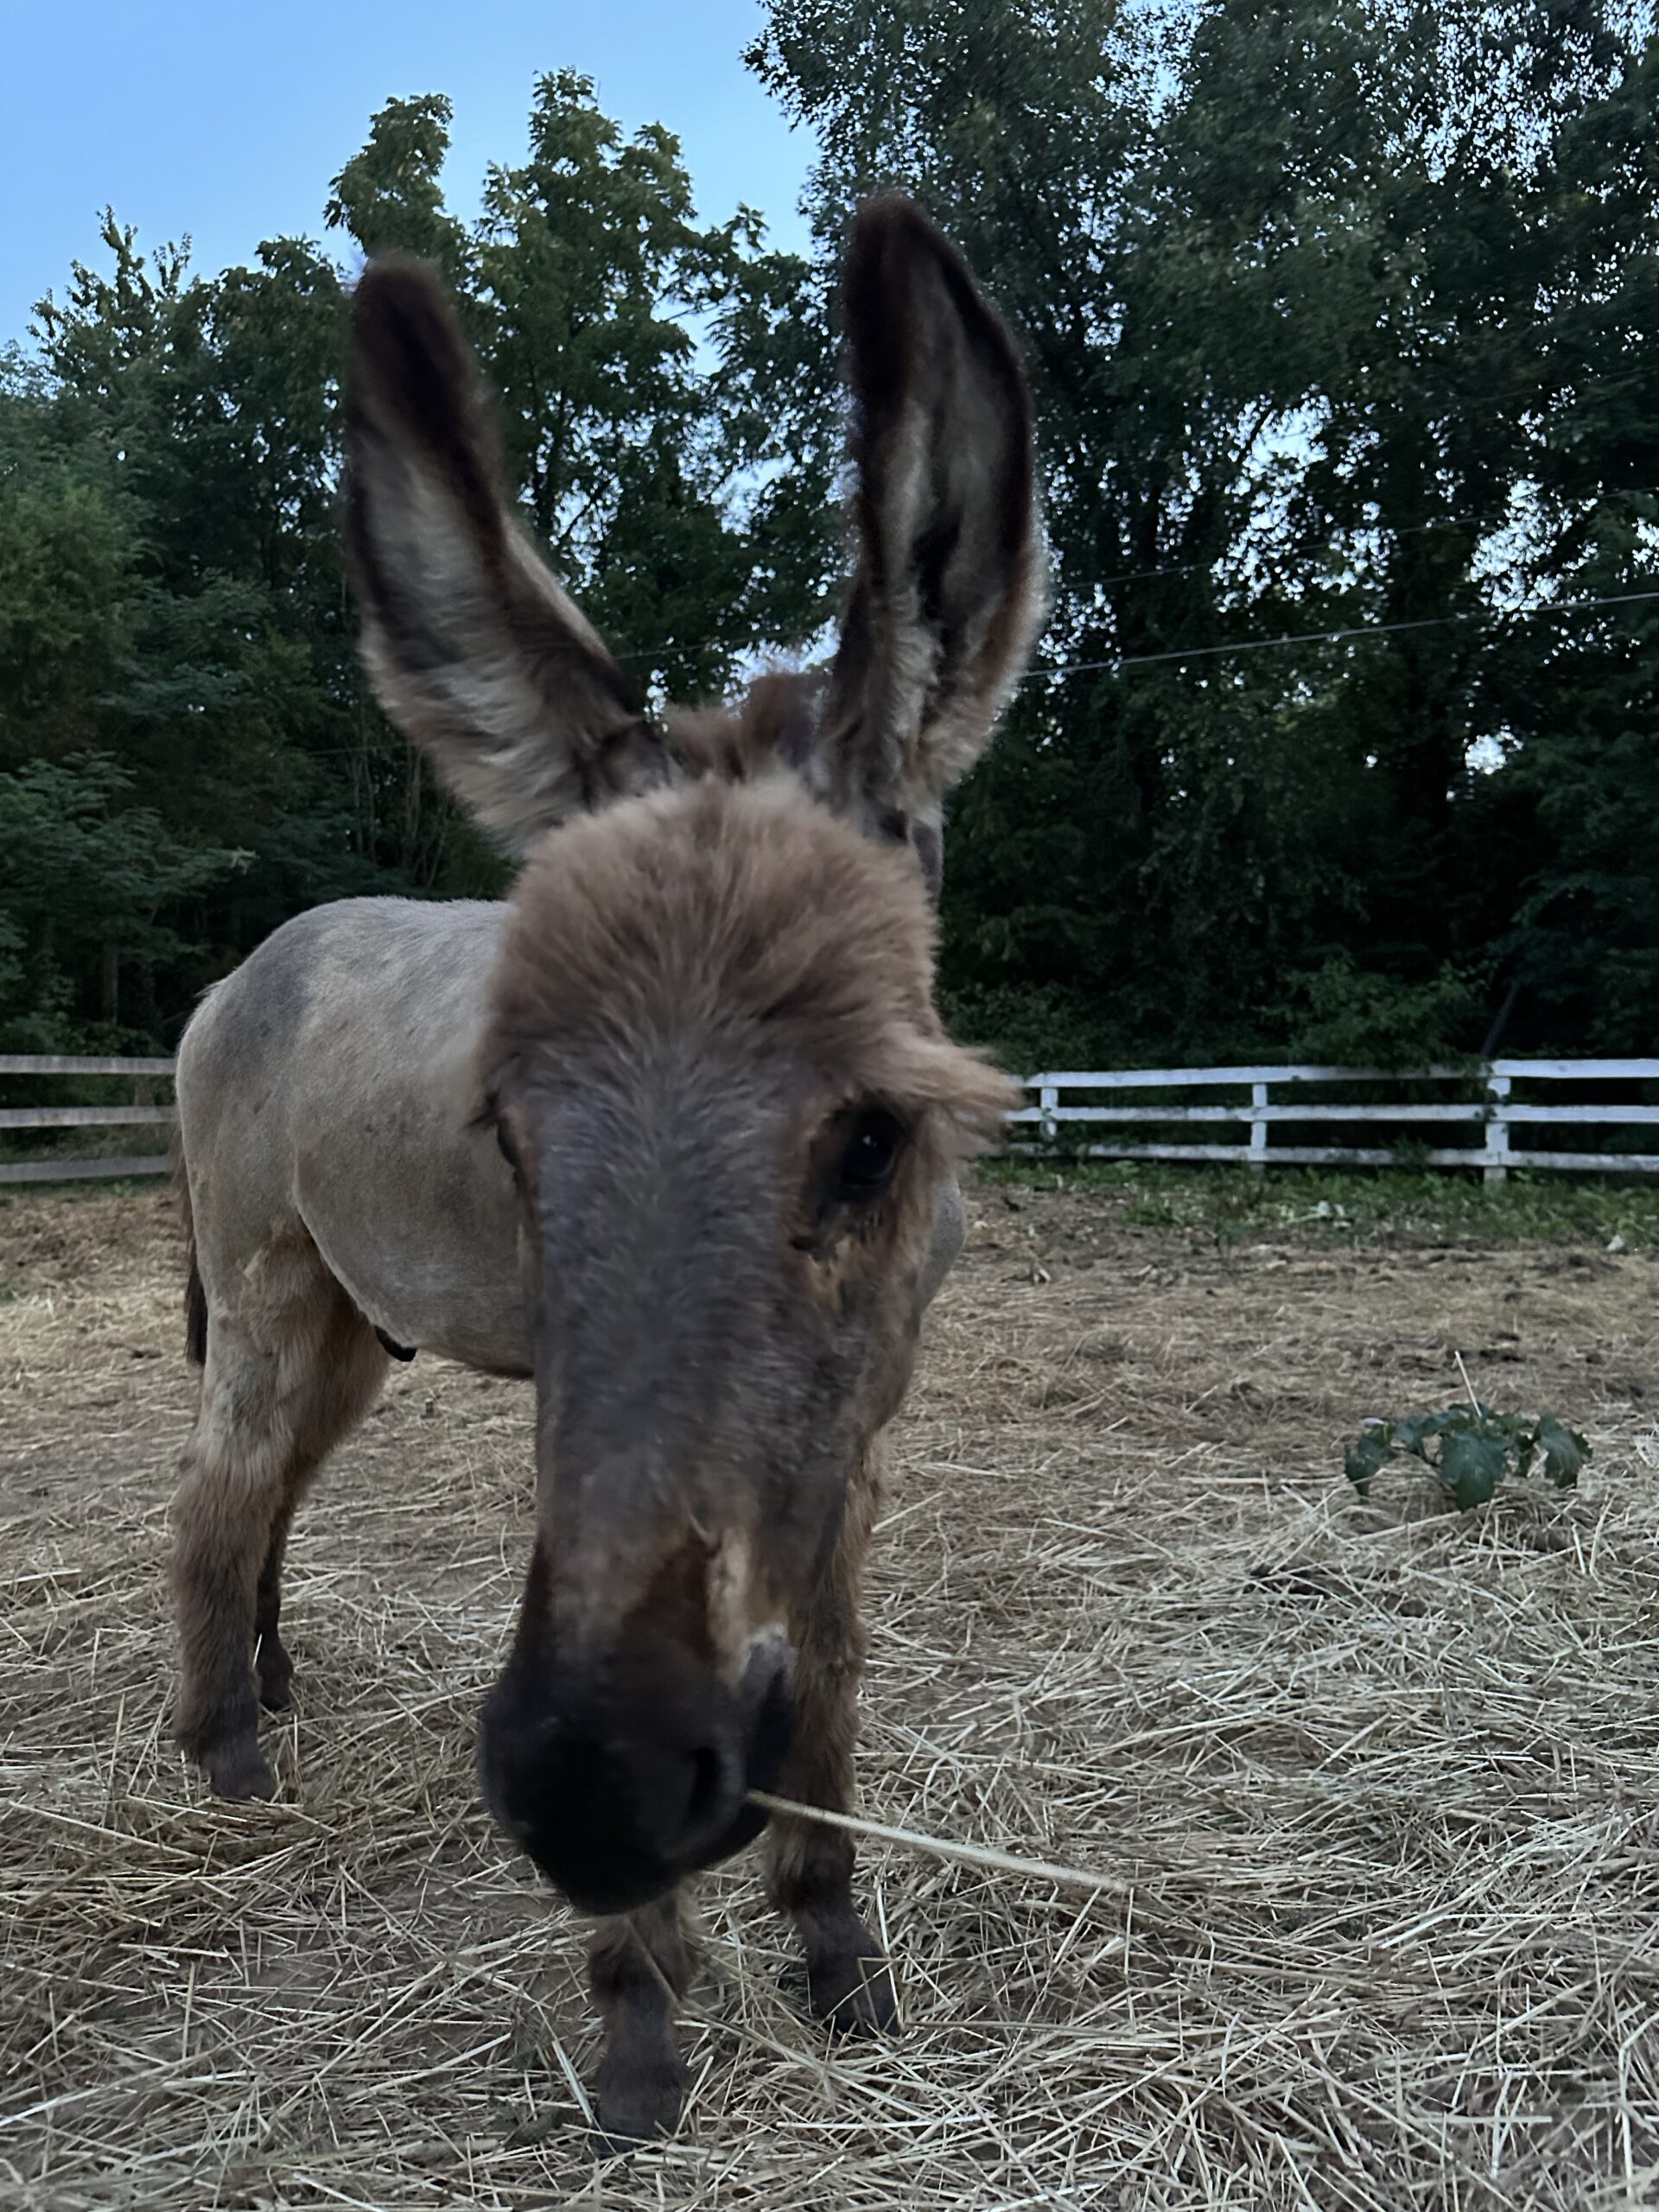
(1377, 1787)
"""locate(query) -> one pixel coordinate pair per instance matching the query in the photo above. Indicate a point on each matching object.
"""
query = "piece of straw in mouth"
(961, 1854)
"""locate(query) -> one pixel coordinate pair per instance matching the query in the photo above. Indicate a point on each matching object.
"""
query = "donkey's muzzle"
(619, 1784)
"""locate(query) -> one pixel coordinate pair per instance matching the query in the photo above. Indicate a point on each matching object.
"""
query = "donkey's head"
(713, 1060)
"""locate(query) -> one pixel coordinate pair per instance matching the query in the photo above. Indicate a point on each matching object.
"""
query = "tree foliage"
(1336, 316)
(185, 747)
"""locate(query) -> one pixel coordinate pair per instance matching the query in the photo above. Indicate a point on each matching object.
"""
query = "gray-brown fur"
(947, 591)
(674, 1130)
(809, 1869)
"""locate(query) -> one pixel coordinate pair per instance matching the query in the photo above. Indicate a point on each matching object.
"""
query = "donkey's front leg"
(810, 1873)
(639, 1965)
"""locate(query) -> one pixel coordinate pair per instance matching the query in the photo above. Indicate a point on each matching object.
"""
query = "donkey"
(674, 1130)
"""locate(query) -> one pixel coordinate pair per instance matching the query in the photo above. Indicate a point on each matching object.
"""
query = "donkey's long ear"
(472, 649)
(947, 591)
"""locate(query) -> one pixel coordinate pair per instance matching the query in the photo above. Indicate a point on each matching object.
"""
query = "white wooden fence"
(1084, 1113)
(1490, 1115)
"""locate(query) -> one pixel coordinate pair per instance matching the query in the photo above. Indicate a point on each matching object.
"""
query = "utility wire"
(1356, 630)
(1204, 567)
(1246, 645)
(1339, 532)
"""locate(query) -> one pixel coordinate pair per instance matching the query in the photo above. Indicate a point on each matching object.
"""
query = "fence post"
(1496, 1169)
(1049, 1101)
(1258, 1131)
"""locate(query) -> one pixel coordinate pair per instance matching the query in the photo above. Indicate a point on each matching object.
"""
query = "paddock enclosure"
(1375, 1787)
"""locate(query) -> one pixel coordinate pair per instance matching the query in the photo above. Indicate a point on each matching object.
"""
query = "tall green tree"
(1337, 316)
(1315, 299)
(178, 672)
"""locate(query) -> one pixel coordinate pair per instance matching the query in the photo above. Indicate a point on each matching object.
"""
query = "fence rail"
(1089, 1102)
(1494, 1113)
(50, 1168)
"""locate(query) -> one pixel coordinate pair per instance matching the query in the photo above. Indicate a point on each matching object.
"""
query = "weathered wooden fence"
(50, 1168)
(1087, 1113)
(1083, 1112)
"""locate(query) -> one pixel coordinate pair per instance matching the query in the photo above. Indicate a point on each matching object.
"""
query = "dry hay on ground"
(1375, 1785)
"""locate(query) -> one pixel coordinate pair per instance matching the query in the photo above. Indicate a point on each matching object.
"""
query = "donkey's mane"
(741, 910)
(774, 722)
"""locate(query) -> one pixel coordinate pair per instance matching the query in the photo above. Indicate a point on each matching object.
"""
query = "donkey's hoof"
(850, 1989)
(239, 1770)
(637, 2103)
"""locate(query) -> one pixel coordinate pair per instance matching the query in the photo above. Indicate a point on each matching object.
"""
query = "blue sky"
(227, 121)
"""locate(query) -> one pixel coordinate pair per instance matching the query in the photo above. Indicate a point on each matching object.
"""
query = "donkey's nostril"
(704, 1804)
(699, 1793)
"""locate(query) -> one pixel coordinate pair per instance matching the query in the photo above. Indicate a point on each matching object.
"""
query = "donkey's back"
(327, 1096)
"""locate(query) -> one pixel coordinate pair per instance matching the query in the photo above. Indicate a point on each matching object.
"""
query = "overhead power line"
(1339, 530)
(638, 654)
(1353, 630)
(1246, 645)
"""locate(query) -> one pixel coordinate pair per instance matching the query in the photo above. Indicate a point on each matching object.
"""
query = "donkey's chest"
(425, 1243)
(423, 1306)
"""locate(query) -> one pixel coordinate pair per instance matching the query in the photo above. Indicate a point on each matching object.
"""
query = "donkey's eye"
(871, 1153)
(505, 1147)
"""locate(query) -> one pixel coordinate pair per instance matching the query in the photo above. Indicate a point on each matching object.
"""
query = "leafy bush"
(1343, 1015)
(1474, 1449)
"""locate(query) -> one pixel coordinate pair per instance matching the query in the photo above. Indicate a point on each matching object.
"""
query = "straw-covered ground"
(1375, 1785)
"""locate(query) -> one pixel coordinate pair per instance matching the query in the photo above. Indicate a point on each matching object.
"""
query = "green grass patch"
(1227, 1205)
